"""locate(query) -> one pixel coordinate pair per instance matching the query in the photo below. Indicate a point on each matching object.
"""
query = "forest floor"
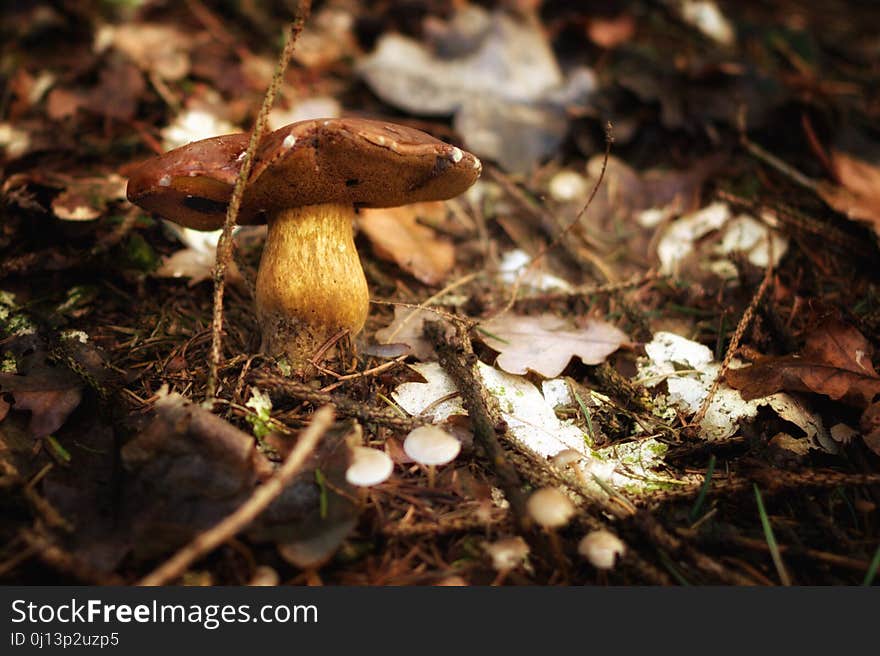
(661, 297)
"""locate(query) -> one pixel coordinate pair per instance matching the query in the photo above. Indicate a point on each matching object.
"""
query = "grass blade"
(771, 540)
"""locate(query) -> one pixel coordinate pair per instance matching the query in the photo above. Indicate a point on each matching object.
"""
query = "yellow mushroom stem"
(310, 285)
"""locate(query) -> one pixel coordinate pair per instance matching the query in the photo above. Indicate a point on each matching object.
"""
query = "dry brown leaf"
(858, 196)
(545, 344)
(118, 92)
(397, 236)
(407, 329)
(835, 361)
(49, 393)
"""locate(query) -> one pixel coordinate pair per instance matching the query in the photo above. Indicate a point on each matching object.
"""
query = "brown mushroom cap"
(349, 160)
(191, 185)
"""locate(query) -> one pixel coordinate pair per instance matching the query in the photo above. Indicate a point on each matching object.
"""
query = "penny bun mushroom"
(602, 548)
(306, 182)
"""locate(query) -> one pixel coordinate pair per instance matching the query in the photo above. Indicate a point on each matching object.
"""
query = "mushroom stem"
(310, 285)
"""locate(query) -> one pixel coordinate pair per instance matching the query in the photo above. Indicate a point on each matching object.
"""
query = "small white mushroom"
(507, 554)
(601, 548)
(368, 467)
(550, 508)
(566, 457)
(431, 446)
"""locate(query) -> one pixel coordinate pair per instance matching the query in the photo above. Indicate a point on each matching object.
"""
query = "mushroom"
(601, 548)
(507, 554)
(306, 182)
(368, 467)
(431, 446)
(551, 510)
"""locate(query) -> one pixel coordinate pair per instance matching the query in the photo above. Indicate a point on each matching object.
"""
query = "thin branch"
(224, 245)
(262, 497)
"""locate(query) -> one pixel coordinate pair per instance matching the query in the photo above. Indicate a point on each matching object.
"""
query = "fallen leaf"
(50, 394)
(707, 17)
(689, 371)
(118, 92)
(858, 195)
(189, 468)
(396, 235)
(545, 344)
(870, 425)
(86, 199)
(156, 48)
(835, 362)
(406, 328)
(498, 75)
(742, 234)
(193, 125)
(516, 267)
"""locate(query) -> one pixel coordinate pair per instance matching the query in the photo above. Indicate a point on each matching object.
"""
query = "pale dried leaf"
(156, 48)
(407, 329)
(545, 344)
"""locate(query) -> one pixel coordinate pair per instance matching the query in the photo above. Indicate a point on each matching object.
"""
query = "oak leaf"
(545, 344)
(835, 362)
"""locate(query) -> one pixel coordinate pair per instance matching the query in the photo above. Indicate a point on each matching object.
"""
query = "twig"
(424, 304)
(609, 139)
(457, 358)
(741, 328)
(262, 497)
(64, 562)
(345, 407)
(224, 245)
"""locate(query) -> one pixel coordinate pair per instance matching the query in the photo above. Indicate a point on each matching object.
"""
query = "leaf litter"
(531, 91)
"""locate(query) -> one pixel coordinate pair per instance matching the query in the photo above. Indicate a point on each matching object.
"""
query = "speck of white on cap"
(288, 142)
(601, 548)
(429, 445)
(477, 163)
(550, 508)
(368, 467)
(165, 181)
(456, 154)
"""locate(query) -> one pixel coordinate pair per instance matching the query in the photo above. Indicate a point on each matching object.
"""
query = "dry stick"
(424, 304)
(64, 562)
(344, 406)
(457, 358)
(738, 335)
(224, 245)
(609, 139)
(264, 495)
